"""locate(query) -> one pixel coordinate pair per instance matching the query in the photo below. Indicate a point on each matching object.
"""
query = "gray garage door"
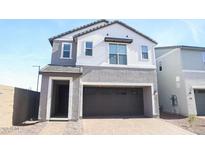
(112, 101)
(200, 101)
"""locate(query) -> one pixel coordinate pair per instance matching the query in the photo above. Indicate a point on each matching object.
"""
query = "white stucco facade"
(101, 48)
(95, 70)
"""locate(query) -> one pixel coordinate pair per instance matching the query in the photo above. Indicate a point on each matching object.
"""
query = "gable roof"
(111, 23)
(182, 47)
(76, 29)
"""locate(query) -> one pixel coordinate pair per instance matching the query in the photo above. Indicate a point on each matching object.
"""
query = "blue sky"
(24, 43)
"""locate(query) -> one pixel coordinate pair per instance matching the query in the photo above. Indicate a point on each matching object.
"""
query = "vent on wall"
(160, 66)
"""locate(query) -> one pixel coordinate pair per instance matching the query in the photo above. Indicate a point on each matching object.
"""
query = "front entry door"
(63, 100)
(60, 99)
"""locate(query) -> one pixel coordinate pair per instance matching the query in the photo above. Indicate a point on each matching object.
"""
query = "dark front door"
(112, 101)
(63, 100)
(60, 99)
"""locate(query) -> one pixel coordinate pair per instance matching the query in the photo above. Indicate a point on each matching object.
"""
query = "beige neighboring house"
(181, 79)
(6, 105)
(17, 105)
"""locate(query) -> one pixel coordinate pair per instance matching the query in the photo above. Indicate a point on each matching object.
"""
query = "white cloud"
(196, 28)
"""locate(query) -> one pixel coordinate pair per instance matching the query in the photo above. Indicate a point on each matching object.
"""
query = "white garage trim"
(120, 84)
(153, 102)
(49, 97)
(116, 84)
(198, 87)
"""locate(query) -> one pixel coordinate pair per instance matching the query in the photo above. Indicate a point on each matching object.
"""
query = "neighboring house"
(181, 79)
(17, 105)
(101, 69)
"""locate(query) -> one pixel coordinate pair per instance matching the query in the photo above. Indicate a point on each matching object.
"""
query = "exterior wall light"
(190, 91)
(155, 93)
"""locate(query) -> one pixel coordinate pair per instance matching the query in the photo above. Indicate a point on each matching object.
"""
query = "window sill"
(118, 64)
(145, 59)
(65, 58)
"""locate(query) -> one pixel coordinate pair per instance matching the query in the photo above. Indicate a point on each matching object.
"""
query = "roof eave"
(76, 29)
(61, 69)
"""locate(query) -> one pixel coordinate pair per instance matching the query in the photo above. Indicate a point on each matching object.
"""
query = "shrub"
(191, 120)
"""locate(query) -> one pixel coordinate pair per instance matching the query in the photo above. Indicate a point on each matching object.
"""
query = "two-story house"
(102, 69)
(181, 79)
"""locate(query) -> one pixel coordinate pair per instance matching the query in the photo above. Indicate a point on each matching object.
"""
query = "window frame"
(88, 48)
(203, 57)
(118, 64)
(62, 50)
(144, 59)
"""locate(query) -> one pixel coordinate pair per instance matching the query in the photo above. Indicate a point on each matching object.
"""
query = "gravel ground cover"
(44, 128)
(83, 126)
(198, 126)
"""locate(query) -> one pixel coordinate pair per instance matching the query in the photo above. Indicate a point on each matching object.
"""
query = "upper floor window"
(88, 48)
(203, 57)
(66, 50)
(118, 54)
(144, 52)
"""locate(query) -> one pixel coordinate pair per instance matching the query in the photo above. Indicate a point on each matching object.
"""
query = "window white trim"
(62, 46)
(198, 87)
(49, 97)
(88, 48)
(141, 57)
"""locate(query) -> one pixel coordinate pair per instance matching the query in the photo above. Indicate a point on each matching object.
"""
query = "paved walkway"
(138, 126)
(61, 128)
(57, 128)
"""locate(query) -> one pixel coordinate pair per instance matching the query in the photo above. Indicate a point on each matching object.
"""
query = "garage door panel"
(112, 101)
(200, 101)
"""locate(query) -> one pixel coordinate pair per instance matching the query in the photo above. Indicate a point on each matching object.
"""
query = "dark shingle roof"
(61, 69)
(182, 47)
(76, 29)
(111, 23)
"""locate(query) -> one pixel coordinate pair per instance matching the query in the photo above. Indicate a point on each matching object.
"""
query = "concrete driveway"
(130, 126)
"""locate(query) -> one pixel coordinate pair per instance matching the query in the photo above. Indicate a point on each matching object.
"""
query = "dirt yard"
(167, 124)
(113, 126)
(44, 128)
(198, 126)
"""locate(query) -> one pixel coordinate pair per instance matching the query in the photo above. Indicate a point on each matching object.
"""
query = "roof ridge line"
(113, 22)
(90, 30)
(180, 46)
